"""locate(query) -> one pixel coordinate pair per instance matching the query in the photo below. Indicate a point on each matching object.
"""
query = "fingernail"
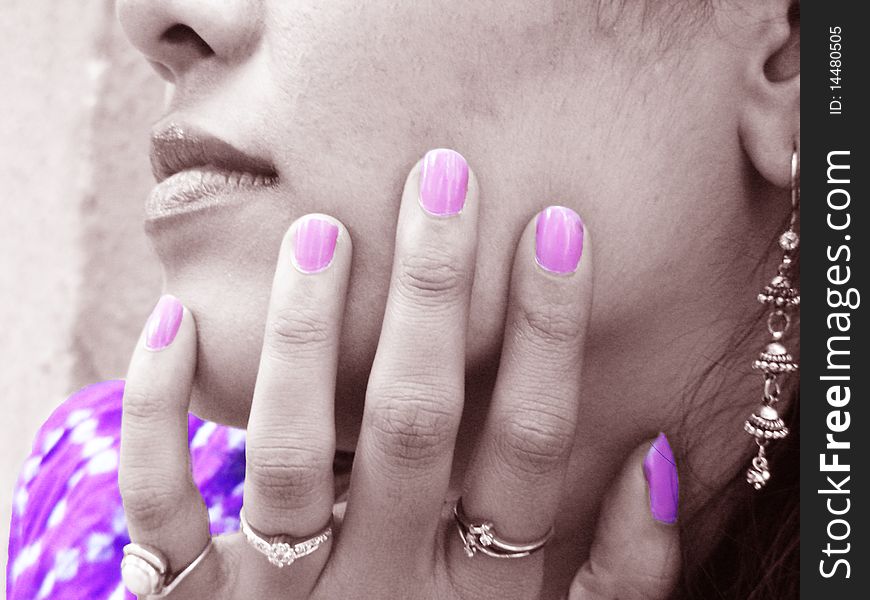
(164, 322)
(660, 471)
(559, 240)
(443, 182)
(315, 244)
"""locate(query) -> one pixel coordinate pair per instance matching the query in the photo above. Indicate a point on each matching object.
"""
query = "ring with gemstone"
(145, 570)
(481, 537)
(283, 550)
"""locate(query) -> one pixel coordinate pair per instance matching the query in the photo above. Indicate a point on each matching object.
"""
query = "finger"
(217, 575)
(514, 480)
(291, 432)
(415, 393)
(636, 553)
(162, 504)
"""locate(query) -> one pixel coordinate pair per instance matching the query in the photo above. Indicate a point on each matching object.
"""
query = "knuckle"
(548, 325)
(412, 429)
(142, 404)
(534, 442)
(149, 503)
(430, 279)
(292, 475)
(295, 330)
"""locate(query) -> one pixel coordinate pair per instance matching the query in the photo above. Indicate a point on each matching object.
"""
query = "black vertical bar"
(835, 226)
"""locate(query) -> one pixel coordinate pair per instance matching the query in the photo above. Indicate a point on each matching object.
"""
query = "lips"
(195, 170)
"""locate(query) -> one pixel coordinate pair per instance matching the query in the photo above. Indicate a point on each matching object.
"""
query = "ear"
(770, 117)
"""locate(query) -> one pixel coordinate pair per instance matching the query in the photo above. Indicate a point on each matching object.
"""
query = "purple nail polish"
(559, 240)
(660, 471)
(315, 244)
(164, 322)
(443, 182)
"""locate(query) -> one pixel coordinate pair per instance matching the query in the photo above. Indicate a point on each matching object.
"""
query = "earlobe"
(770, 115)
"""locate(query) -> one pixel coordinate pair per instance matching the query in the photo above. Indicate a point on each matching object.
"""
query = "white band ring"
(145, 570)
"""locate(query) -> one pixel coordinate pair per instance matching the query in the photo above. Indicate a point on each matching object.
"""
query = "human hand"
(397, 538)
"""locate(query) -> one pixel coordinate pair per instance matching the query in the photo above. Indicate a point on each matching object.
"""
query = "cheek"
(349, 119)
(360, 84)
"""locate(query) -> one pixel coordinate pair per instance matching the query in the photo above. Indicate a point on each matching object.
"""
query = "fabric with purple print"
(68, 527)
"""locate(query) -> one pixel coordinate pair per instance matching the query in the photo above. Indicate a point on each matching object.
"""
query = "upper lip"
(176, 148)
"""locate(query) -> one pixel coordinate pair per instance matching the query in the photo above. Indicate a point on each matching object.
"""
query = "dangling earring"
(774, 361)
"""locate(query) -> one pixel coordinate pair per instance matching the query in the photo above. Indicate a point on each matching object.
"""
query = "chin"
(228, 351)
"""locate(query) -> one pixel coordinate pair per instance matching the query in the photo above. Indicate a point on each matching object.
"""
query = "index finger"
(163, 507)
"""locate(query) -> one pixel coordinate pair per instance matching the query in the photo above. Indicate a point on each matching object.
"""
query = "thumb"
(636, 552)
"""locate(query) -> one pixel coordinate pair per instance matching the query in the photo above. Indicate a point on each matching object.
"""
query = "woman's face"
(628, 114)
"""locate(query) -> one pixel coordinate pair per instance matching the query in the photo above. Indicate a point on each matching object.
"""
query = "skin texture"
(674, 148)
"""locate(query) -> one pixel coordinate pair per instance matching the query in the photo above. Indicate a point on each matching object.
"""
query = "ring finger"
(514, 480)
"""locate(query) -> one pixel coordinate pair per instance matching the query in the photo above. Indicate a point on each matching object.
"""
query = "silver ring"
(481, 537)
(283, 550)
(145, 570)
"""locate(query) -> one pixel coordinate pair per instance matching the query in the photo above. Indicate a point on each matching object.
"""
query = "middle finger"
(416, 389)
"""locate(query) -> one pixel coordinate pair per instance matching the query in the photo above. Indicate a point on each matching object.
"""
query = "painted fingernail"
(559, 240)
(443, 182)
(315, 244)
(164, 322)
(660, 471)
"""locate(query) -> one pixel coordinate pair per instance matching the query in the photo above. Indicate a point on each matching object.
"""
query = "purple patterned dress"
(68, 525)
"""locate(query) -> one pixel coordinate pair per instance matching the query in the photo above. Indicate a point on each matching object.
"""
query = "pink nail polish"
(660, 471)
(315, 244)
(559, 240)
(164, 322)
(443, 182)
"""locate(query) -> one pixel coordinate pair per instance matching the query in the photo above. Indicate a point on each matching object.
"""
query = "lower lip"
(197, 189)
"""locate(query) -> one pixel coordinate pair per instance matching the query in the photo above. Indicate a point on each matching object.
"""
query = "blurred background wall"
(77, 277)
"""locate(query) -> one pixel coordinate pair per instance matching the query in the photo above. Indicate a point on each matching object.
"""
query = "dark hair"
(758, 553)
